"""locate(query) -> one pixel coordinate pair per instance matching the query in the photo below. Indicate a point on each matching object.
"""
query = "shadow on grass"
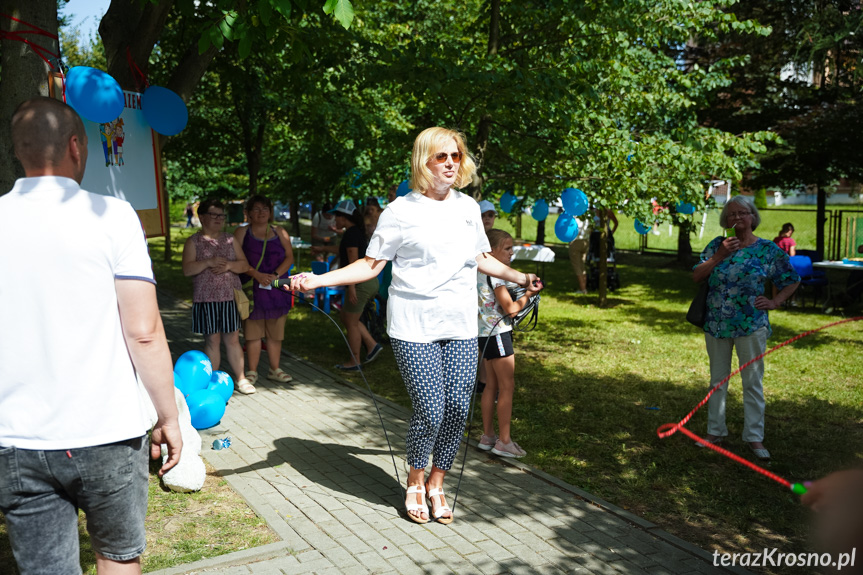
(616, 454)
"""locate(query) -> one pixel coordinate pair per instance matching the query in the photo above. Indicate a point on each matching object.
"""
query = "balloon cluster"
(574, 203)
(97, 96)
(206, 391)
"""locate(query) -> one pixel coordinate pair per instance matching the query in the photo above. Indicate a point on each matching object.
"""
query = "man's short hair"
(41, 128)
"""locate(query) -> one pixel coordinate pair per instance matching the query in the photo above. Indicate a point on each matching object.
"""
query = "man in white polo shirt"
(78, 304)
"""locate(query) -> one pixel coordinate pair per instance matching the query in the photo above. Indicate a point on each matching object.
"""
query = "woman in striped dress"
(214, 259)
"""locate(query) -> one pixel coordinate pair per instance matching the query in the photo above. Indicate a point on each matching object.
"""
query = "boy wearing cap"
(488, 214)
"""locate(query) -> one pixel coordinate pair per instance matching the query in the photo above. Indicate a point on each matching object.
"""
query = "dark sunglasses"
(441, 157)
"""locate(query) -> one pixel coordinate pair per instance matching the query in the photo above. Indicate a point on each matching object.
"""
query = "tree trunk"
(484, 129)
(518, 235)
(23, 74)
(540, 233)
(684, 243)
(603, 257)
(295, 217)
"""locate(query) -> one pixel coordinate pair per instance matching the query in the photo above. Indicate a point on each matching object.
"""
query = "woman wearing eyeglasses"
(435, 239)
(268, 250)
(737, 268)
(213, 259)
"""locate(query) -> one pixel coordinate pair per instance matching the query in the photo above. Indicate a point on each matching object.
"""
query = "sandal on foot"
(279, 375)
(245, 387)
(412, 505)
(439, 510)
(252, 376)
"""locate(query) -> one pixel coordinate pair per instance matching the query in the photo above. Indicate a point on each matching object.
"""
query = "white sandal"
(252, 376)
(414, 506)
(280, 375)
(439, 510)
(244, 386)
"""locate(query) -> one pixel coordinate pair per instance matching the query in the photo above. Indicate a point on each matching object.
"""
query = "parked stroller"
(593, 263)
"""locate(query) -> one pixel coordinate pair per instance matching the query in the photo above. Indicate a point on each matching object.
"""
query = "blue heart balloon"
(641, 228)
(206, 408)
(539, 210)
(574, 201)
(164, 110)
(507, 201)
(195, 371)
(94, 94)
(222, 384)
(403, 189)
(566, 227)
(685, 208)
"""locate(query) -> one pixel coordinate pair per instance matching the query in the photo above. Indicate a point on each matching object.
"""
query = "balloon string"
(136, 72)
(669, 429)
(40, 51)
(36, 29)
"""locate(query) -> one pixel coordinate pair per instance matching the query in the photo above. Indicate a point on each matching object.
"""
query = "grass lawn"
(181, 527)
(587, 376)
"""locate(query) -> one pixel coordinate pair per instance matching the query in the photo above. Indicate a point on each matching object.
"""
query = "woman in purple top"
(268, 251)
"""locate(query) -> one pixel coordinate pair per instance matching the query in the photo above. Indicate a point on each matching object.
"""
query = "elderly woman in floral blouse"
(737, 268)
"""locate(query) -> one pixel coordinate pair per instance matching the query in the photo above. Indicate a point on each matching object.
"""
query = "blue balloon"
(685, 208)
(540, 210)
(566, 227)
(641, 228)
(574, 201)
(195, 371)
(507, 201)
(403, 189)
(222, 384)
(206, 408)
(164, 110)
(94, 94)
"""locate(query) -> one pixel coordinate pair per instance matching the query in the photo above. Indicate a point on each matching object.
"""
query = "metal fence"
(843, 231)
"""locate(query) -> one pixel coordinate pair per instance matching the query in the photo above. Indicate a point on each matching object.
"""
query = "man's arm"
(148, 348)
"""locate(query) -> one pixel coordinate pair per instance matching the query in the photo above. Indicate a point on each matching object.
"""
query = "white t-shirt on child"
(490, 313)
(433, 246)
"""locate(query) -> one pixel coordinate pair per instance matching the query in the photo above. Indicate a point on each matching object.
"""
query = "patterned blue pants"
(439, 378)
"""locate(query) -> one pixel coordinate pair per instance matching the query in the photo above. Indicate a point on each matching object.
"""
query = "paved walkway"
(311, 459)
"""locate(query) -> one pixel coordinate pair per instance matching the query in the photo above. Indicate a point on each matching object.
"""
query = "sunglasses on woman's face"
(441, 157)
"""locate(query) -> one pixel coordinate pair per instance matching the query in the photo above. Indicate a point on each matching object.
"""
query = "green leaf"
(245, 46)
(203, 43)
(342, 10)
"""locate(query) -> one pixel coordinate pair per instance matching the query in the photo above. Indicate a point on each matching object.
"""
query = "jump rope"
(285, 285)
(669, 429)
(663, 431)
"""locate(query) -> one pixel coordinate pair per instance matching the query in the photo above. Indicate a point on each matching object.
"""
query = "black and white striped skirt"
(215, 317)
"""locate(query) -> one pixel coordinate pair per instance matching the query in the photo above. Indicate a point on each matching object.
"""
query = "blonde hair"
(429, 142)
